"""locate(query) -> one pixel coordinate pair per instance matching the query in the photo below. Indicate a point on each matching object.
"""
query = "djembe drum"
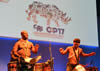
(91, 69)
(12, 66)
(79, 68)
(38, 67)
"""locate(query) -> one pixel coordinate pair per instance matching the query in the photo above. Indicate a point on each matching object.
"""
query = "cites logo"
(51, 15)
(50, 12)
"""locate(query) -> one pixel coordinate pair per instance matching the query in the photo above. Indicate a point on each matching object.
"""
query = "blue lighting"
(60, 61)
(48, 42)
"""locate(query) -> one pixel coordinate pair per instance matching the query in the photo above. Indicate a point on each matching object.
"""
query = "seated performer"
(74, 53)
(21, 51)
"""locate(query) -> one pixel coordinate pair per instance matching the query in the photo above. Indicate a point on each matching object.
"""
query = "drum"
(38, 67)
(79, 68)
(91, 69)
(12, 66)
(47, 68)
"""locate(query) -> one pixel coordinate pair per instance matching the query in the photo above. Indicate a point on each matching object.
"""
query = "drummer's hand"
(92, 53)
(61, 49)
(37, 45)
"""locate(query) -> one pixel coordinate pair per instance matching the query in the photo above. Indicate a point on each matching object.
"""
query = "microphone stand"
(51, 58)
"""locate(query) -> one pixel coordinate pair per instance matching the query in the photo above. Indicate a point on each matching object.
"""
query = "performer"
(22, 49)
(74, 53)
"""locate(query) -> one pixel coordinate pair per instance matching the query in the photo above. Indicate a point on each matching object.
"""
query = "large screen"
(50, 20)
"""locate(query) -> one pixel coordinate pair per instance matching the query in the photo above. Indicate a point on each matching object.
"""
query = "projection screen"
(50, 20)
